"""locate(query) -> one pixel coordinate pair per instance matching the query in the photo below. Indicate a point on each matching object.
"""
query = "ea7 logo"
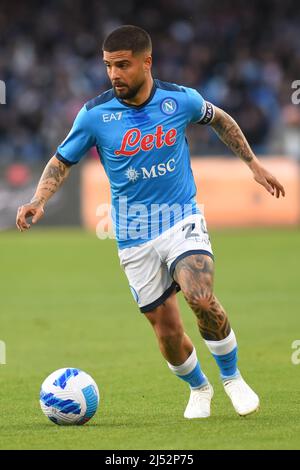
(112, 116)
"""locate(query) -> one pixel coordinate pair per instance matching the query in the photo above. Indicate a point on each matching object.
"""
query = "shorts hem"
(161, 299)
(188, 253)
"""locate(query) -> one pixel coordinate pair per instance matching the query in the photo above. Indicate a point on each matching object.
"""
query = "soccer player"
(138, 128)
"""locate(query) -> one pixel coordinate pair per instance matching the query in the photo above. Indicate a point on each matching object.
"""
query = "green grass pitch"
(65, 302)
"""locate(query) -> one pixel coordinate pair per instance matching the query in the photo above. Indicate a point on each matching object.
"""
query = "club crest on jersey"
(133, 141)
(169, 106)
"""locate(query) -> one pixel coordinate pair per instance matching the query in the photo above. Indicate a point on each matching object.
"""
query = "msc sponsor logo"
(154, 172)
(133, 141)
(132, 174)
(159, 170)
(169, 106)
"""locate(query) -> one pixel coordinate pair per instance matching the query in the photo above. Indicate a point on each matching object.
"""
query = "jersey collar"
(134, 106)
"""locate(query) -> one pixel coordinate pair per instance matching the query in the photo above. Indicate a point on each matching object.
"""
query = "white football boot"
(244, 399)
(199, 402)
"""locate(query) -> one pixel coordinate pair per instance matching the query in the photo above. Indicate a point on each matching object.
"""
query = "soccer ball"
(69, 396)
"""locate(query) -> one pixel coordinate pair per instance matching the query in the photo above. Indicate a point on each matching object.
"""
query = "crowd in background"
(241, 55)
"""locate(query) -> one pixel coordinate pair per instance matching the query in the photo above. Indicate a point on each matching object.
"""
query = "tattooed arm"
(52, 178)
(230, 133)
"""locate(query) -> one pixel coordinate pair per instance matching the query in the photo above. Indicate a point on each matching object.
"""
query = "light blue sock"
(225, 354)
(190, 371)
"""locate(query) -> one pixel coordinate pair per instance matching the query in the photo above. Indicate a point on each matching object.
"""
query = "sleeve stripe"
(208, 115)
(64, 160)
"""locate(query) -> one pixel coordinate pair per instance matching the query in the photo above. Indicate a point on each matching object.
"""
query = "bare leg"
(195, 275)
(174, 344)
(179, 351)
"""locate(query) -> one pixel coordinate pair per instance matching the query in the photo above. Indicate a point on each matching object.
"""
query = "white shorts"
(149, 267)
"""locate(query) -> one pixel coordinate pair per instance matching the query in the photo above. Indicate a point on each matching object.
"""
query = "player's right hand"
(32, 209)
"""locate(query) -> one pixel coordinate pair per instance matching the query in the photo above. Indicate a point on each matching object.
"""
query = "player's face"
(127, 71)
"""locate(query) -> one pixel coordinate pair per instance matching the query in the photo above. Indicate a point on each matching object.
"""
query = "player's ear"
(147, 62)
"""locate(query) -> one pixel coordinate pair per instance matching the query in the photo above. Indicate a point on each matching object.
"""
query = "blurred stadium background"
(241, 55)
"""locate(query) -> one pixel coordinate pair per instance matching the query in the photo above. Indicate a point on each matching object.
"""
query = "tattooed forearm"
(52, 178)
(230, 133)
(54, 172)
(194, 274)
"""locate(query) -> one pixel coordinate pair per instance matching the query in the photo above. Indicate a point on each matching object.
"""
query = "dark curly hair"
(128, 38)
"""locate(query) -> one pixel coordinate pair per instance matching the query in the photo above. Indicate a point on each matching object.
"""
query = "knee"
(170, 336)
(167, 324)
(200, 299)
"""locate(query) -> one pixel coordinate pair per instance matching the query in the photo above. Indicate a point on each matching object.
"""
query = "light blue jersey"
(145, 155)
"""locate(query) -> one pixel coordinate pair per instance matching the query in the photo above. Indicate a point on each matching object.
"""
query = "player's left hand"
(266, 179)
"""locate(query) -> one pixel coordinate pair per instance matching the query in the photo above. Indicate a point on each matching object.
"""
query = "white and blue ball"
(69, 396)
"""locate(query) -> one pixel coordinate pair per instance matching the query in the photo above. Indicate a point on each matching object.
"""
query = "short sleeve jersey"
(145, 154)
